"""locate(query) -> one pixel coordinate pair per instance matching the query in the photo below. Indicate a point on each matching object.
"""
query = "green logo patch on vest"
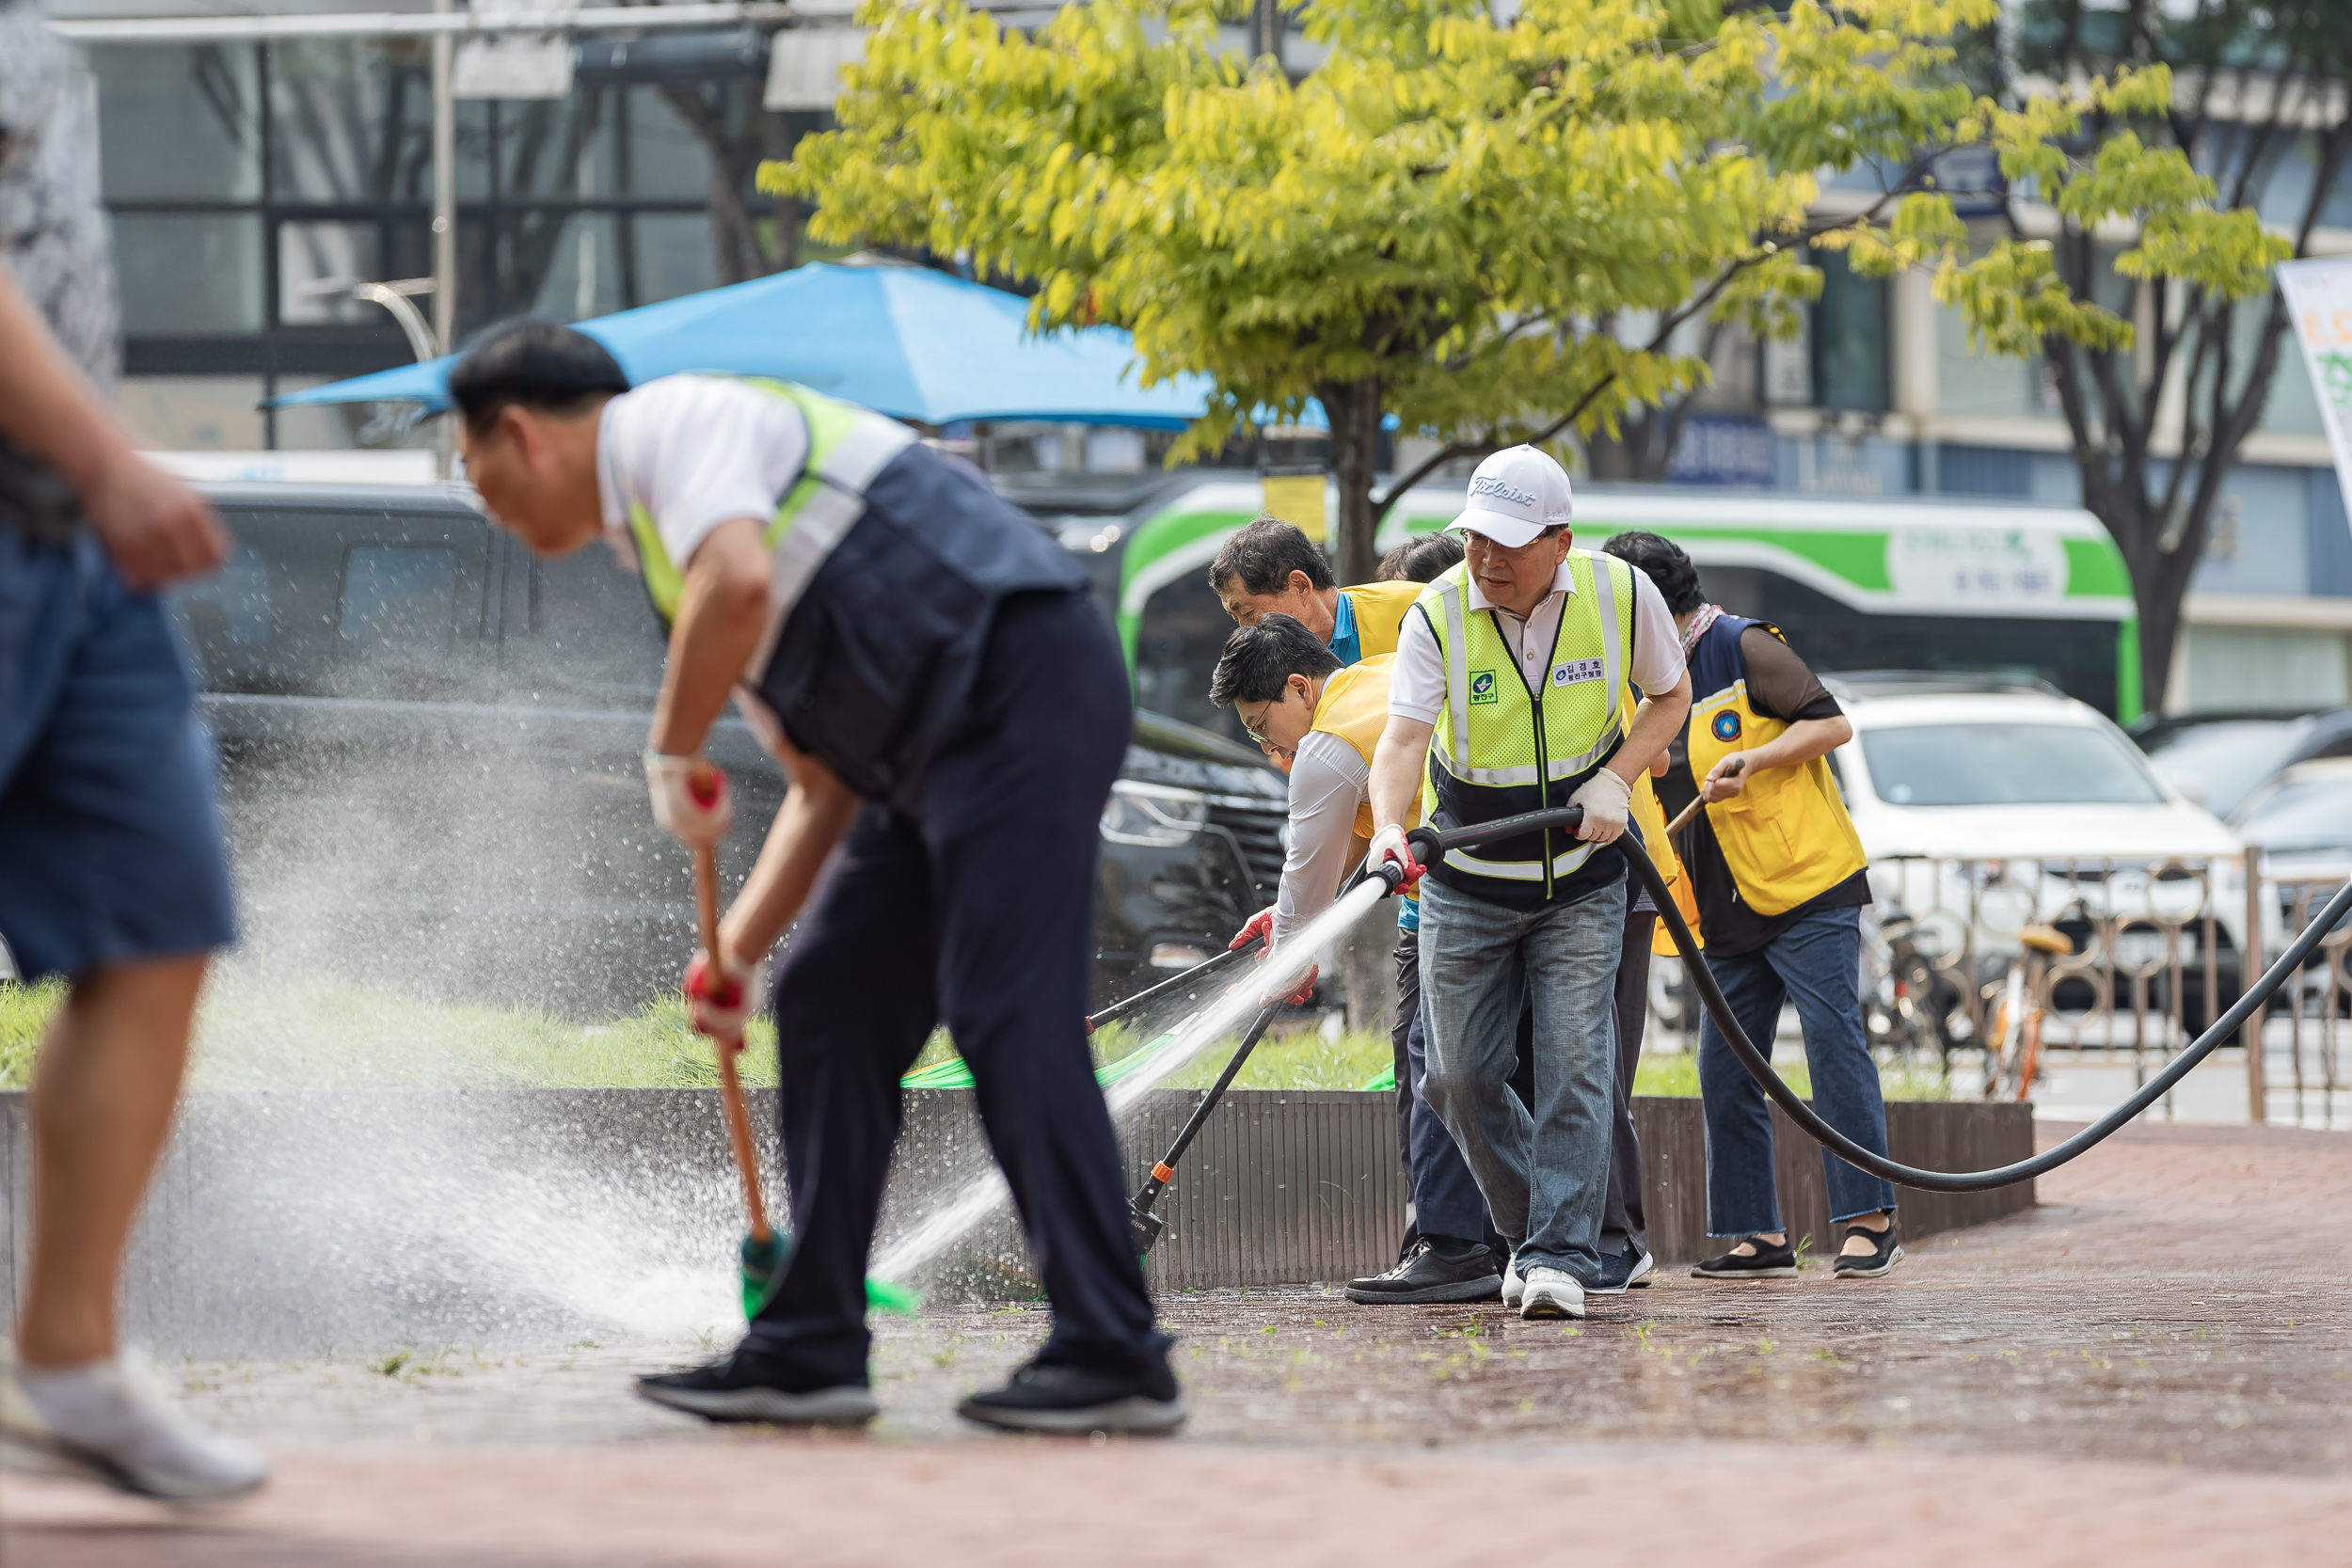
(1482, 685)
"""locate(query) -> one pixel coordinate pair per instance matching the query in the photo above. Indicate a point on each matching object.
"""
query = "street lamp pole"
(444, 217)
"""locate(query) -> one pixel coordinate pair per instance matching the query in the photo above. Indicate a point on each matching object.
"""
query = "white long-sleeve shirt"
(1328, 781)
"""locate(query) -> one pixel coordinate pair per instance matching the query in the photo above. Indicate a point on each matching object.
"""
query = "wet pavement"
(2160, 1349)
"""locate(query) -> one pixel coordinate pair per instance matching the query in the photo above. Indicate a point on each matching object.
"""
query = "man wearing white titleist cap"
(1504, 699)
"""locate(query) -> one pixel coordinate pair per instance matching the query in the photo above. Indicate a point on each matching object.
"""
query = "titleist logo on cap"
(1501, 491)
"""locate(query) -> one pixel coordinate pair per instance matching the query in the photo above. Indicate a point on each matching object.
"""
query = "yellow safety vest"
(1785, 836)
(1380, 611)
(1355, 707)
(847, 446)
(1501, 749)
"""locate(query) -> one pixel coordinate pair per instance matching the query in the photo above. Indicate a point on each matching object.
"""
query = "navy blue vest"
(873, 664)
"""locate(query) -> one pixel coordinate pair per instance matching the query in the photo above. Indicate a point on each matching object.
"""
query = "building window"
(1850, 338)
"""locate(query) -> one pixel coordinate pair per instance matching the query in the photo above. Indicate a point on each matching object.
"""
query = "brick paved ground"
(2154, 1366)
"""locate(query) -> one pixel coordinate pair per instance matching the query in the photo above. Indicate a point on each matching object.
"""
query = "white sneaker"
(1552, 1293)
(1513, 1286)
(107, 1421)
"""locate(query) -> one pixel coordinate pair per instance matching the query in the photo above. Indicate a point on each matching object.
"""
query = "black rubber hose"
(1805, 1116)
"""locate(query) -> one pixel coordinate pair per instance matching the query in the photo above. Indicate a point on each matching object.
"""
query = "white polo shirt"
(1416, 686)
(695, 452)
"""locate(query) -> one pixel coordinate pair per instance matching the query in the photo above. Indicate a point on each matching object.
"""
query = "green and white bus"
(1857, 584)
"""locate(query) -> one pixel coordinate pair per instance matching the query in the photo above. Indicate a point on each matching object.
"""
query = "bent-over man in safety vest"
(952, 712)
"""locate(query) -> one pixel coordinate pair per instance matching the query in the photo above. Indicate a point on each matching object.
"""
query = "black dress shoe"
(748, 1385)
(1437, 1271)
(1770, 1261)
(1059, 1397)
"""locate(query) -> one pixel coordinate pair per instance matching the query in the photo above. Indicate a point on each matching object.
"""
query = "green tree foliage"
(1440, 222)
(2144, 192)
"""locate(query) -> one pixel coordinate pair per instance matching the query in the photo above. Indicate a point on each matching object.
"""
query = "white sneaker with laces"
(1513, 1286)
(1552, 1293)
(108, 1421)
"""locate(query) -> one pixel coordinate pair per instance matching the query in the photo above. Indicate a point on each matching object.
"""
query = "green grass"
(313, 1032)
(25, 1012)
(316, 1031)
(1302, 1060)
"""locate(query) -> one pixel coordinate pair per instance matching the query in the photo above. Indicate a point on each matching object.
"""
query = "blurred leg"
(101, 1106)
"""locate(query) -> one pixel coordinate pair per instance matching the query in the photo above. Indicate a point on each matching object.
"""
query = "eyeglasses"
(1257, 731)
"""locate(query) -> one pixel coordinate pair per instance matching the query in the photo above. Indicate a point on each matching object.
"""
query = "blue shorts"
(110, 847)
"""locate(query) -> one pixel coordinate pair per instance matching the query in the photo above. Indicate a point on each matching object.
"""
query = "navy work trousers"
(976, 909)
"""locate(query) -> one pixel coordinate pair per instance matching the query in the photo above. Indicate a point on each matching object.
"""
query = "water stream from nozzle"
(1212, 1021)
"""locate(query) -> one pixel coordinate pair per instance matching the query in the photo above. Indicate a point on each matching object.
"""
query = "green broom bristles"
(763, 1267)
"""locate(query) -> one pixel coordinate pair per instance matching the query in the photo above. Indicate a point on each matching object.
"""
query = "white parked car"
(2068, 825)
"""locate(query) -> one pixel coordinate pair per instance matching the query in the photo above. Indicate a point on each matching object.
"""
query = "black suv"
(430, 744)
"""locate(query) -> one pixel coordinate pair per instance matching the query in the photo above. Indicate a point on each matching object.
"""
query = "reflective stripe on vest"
(1494, 734)
(1355, 707)
(847, 447)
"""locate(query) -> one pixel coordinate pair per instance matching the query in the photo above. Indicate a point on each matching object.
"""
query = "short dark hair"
(1663, 559)
(1421, 560)
(1257, 661)
(1264, 554)
(541, 366)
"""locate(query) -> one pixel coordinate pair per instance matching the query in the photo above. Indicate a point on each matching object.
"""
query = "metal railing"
(2301, 1074)
(1992, 971)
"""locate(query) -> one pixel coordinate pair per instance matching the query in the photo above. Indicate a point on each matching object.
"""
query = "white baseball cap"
(1515, 495)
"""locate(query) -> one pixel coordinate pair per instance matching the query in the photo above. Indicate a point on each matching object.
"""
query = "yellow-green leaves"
(1469, 216)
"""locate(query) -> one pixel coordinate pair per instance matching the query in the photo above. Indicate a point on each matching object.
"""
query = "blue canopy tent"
(907, 341)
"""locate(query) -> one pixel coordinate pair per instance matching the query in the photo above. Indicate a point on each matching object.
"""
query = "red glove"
(718, 1000)
(1306, 991)
(1260, 927)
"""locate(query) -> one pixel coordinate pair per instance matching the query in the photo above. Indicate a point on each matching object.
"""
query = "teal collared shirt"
(1346, 645)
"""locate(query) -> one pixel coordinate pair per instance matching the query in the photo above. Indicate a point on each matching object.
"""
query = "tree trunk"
(1355, 411)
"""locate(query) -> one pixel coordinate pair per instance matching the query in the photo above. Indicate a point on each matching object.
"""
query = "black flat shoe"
(1886, 1250)
(1770, 1261)
(1432, 1273)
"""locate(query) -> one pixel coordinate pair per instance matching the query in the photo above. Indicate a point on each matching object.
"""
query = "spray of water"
(1212, 1022)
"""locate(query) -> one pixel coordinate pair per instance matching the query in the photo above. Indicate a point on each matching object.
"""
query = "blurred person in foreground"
(1508, 697)
(951, 711)
(1780, 880)
(112, 873)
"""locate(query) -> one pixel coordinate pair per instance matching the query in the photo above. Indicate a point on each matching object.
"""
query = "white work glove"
(690, 799)
(720, 998)
(1389, 845)
(1606, 799)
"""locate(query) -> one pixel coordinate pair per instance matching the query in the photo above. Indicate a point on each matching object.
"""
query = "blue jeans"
(1816, 964)
(1544, 1171)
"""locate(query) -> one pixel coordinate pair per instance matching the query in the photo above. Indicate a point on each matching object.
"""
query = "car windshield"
(2221, 762)
(2004, 765)
(2300, 813)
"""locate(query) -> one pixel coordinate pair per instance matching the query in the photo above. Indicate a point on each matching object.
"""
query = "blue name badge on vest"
(1577, 670)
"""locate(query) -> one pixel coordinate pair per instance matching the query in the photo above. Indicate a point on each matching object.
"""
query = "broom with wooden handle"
(764, 1251)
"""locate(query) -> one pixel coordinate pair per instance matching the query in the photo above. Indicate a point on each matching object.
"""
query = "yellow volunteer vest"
(1380, 611)
(1501, 749)
(1787, 837)
(1355, 706)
